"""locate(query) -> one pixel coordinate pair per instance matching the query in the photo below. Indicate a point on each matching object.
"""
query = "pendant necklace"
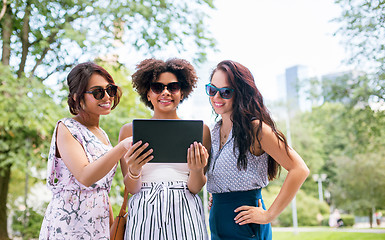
(223, 138)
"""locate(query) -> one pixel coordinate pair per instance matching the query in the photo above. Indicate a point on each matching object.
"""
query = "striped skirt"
(164, 211)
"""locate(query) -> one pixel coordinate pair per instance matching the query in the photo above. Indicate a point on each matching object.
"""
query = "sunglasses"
(99, 92)
(158, 87)
(225, 93)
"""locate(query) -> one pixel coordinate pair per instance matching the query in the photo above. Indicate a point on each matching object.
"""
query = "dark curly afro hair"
(148, 71)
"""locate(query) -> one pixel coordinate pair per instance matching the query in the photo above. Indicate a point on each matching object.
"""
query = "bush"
(325, 221)
(33, 225)
(308, 208)
(348, 220)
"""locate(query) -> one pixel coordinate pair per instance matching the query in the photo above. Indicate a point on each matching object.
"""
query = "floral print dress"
(77, 211)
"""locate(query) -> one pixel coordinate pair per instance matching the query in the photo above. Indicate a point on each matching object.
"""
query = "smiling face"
(93, 106)
(165, 102)
(221, 106)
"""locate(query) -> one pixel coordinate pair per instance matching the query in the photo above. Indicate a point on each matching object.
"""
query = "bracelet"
(132, 176)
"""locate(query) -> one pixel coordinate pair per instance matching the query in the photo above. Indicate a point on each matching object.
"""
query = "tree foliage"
(362, 28)
(347, 143)
(44, 37)
(363, 25)
(308, 208)
(26, 122)
(363, 191)
(351, 140)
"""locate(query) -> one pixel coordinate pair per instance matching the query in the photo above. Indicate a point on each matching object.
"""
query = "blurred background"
(318, 63)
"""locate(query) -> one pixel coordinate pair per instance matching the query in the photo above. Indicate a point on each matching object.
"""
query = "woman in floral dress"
(82, 161)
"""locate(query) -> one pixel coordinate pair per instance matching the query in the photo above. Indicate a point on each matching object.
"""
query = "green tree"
(307, 138)
(363, 160)
(360, 183)
(45, 37)
(27, 116)
(352, 140)
(362, 27)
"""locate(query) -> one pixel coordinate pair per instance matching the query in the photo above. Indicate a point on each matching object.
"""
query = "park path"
(324, 229)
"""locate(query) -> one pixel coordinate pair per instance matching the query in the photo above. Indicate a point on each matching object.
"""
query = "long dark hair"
(247, 106)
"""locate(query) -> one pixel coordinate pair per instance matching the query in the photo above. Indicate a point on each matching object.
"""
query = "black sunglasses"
(99, 92)
(225, 92)
(158, 87)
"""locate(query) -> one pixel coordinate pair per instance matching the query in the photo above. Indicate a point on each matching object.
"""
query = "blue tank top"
(223, 174)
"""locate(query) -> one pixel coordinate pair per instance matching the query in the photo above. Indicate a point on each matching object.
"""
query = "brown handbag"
(118, 227)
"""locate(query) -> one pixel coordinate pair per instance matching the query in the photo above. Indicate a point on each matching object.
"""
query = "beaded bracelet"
(132, 176)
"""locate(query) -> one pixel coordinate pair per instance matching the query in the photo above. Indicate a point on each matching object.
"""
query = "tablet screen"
(168, 138)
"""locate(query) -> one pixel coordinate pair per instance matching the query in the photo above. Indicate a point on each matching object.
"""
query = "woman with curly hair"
(247, 151)
(165, 204)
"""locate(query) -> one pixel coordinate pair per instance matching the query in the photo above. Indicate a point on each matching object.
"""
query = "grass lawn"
(327, 236)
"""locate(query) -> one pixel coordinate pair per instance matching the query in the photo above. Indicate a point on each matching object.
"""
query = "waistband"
(169, 185)
(237, 196)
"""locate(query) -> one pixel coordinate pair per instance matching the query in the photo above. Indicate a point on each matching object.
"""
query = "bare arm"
(74, 157)
(197, 156)
(297, 174)
(125, 132)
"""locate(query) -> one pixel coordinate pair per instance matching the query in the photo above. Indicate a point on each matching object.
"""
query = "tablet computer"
(169, 138)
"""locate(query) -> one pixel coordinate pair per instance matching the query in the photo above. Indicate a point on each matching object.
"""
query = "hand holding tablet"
(168, 138)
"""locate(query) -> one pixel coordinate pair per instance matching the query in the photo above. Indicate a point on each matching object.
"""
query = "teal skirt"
(222, 223)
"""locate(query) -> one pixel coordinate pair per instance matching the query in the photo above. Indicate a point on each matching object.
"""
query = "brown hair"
(248, 105)
(77, 81)
(148, 71)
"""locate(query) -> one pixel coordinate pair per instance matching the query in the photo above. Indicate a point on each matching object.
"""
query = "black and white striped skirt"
(164, 211)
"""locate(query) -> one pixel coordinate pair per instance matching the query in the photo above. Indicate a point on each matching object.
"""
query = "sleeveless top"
(59, 178)
(165, 172)
(223, 174)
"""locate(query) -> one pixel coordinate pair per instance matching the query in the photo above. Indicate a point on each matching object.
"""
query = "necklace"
(223, 137)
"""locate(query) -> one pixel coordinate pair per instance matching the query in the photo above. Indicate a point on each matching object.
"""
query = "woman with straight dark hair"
(247, 151)
(82, 161)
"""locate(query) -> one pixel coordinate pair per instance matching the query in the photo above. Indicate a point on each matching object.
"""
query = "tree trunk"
(24, 40)
(3, 8)
(5, 175)
(371, 218)
(6, 25)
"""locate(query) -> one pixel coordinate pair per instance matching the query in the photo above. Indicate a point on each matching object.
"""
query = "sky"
(268, 36)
